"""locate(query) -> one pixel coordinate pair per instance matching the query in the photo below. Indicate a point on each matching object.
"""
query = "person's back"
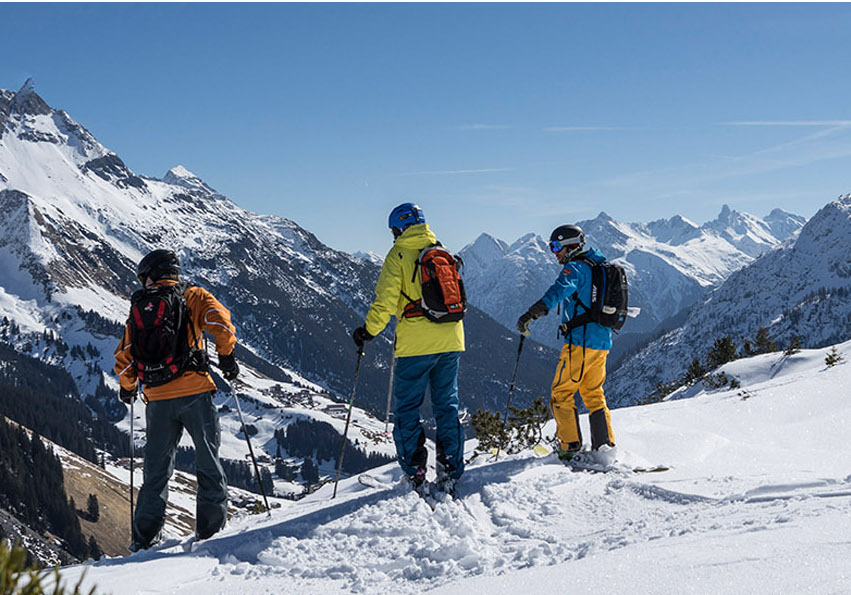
(177, 390)
(428, 354)
(399, 285)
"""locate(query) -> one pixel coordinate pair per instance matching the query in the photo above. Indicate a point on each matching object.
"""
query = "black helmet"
(158, 264)
(567, 236)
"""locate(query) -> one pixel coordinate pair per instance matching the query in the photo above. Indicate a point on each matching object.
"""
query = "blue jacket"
(575, 278)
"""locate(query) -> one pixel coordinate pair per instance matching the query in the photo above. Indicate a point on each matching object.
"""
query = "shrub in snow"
(523, 429)
(794, 346)
(833, 357)
(714, 381)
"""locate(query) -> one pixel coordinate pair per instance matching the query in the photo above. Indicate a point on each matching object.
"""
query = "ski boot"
(418, 482)
(565, 455)
(138, 545)
(444, 482)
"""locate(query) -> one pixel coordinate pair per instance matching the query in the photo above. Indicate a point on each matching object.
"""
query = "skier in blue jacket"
(582, 364)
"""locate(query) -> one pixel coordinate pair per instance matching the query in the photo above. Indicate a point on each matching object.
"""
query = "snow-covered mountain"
(670, 263)
(757, 500)
(802, 288)
(76, 220)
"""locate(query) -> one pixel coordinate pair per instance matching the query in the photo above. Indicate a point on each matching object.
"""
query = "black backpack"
(609, 298)
(160, 323)
(443, 295)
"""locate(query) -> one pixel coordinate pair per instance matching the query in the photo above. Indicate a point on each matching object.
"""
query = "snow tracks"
(507, 515)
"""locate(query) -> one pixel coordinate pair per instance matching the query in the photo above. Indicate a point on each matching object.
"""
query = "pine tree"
(695, 372)
(721, 352)
(309, 471)
(794, 346)
(93, 508)
(94, 549)
(763, 342)
(833, 357)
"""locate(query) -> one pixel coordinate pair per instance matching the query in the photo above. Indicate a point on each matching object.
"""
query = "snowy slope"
(757, 501)
(671, 264)
(802, 288)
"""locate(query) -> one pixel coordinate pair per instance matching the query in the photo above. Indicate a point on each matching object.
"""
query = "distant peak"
(27, 101)
(603, 216)
(680, 220)
(486, 244)
(181, 173)
(27, 88)
(485, 239)
(180, 176)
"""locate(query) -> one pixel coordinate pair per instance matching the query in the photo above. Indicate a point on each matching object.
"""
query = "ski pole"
(511, 391)
(390, 384)
(348, 419)
(389, 394)
(250, 450)
(132, 469)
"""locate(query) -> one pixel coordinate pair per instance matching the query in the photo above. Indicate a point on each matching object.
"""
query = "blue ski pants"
(166, 420)
(439, 373)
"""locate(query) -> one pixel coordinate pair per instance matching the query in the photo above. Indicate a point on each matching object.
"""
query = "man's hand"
(361, 336)
(127, 396)
(537, 310)
(228, 366)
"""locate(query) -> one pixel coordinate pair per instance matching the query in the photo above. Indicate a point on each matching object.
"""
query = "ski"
(370, 481)
(654, 469)
(585, 461)
(189, 544)
(591, 467)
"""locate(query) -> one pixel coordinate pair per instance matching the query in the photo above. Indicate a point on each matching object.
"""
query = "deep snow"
(758, 500)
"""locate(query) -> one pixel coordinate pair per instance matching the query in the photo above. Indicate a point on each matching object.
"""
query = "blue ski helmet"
(403, 217)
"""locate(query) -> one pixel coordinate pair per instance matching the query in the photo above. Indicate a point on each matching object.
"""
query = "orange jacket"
(206, 314)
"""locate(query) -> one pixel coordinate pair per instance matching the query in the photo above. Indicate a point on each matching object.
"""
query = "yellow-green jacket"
(414, 336)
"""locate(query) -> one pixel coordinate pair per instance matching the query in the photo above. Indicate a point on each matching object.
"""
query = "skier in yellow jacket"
(428, 355)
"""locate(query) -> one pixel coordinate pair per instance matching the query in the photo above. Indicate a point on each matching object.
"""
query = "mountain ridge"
(671, 263)
(800, 289)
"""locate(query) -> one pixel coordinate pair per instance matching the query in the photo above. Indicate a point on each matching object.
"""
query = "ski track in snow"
(542, 515)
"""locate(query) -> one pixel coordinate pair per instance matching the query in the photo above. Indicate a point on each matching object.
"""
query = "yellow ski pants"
(583, 370)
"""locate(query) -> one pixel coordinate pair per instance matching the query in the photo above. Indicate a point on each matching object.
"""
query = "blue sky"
(498, 118)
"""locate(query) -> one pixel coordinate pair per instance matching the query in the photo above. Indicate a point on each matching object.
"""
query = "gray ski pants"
(166, 420)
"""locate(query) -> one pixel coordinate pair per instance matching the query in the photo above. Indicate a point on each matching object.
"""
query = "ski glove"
(361, 336)
(127, 396)
(228, 366)
(537, 310)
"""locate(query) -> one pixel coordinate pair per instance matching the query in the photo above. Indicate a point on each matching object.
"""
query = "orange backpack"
(443, 297)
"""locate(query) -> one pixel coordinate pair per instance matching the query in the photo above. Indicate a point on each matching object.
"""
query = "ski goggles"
(556, 246)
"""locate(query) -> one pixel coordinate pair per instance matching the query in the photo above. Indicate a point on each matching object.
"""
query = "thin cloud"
(832, 142)
(456, 172)
(789, 123)
(583, 128)
(485, 127)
